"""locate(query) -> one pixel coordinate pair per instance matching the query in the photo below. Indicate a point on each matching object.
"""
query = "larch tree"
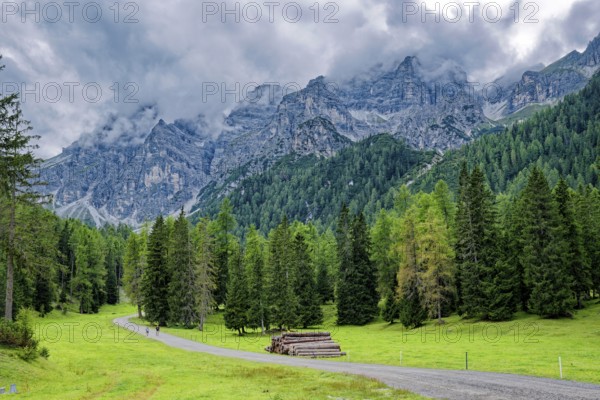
(236, 306)
(134, 266)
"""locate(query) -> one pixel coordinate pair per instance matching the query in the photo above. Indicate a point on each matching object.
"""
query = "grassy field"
(91, 359)
(528, 345)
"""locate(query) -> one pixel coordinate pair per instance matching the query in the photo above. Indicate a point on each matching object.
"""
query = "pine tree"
(309, 308)
(254, 264)
(17, 178)
(155, 282)
(570, 234)
(236, 306)
(112, 288)
(222, 228)
(357, 289)
(283, 303)
(182, 287)
(588, 217)
(205, 271)
(543, 251)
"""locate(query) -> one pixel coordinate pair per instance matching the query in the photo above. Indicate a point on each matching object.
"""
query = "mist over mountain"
(134, 169)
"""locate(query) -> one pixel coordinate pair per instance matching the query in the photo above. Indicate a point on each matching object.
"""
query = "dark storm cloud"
(174, 50)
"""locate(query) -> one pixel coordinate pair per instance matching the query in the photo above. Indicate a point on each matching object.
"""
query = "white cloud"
(170, 54)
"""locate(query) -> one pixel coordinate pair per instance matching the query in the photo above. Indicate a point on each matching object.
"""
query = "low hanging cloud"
(92, 64)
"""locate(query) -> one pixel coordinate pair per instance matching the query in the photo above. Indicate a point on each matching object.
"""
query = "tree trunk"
(439, 312)
(140, 311)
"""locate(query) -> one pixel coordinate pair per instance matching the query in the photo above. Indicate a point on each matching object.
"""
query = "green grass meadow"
(527, 345)
(92, 359)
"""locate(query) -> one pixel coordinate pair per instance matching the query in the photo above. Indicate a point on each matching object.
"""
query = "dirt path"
(443, 384)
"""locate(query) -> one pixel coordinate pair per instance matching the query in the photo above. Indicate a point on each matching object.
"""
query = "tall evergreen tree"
(182, 287)
(546, 272)
(254, 264)
(570, 235)
(357, 288)
(236, 307)
(222, 228)
(134, 265)
(309, 308)
(283, 303)
(205, 271)
(17, 178)
(155, 282)
(588, 217)
(111, 265)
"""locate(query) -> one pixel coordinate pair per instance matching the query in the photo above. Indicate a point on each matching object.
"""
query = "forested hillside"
(561, 141)
(312, 189)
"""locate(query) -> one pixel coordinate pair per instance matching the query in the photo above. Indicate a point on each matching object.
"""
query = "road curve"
(442, 384)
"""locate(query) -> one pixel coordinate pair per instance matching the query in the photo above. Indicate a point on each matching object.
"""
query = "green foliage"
(254, 264)
(18, 333)
(310, 189)
(182, 265)
(561, 141)
(156, 278)
(543, 251)
(309, 304)
(222, 229)
(357, 288)
(236, 307)
(283, 302)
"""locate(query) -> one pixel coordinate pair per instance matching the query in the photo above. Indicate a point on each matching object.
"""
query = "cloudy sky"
(79, 64)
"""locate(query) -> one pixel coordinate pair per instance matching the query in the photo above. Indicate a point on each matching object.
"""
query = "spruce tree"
(17, 179)
(182, 287)
(205, 271)
(112, 288)
(546, 272)
(222, 230)
(236, 306)
(309, 308)
(570, 233)
(283, 303)
(254, 264)
(357, 288)
(155, 282)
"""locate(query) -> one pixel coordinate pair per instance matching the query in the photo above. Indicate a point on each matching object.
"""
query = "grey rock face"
(567, 75)
(134, 174)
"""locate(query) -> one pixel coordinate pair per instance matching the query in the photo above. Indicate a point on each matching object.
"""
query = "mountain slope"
(307, 188)
(563, 141)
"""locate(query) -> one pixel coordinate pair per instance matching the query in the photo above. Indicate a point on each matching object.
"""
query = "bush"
(18, 333)
(44, 352)
(29, 353)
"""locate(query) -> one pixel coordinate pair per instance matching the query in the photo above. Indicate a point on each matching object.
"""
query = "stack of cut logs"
(311, 344)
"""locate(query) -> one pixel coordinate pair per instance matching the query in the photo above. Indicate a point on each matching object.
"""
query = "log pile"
(310, 344)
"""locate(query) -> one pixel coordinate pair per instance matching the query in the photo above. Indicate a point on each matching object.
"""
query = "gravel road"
(441, 384)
